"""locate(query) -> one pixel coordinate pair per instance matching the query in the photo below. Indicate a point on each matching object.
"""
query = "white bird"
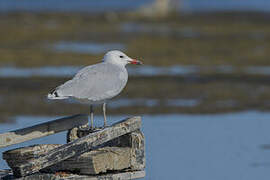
(97, 83)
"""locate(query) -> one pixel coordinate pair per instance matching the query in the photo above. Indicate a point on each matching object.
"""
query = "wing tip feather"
(54, 95)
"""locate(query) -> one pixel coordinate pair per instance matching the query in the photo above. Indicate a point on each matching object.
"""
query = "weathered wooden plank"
(110, 176)
(97, 161)
(17, 156)
(134, 140)
(127, 151)
(124, 152)
(79, 146)
(5, 174)
(41, 130)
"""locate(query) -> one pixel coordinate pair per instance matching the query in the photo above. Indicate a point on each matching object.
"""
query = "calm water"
(67, 71)
(228, 5)
(193, 147)
(124, 5)
(147, 102)
(87, 48)
(145, 70)
(72, 5)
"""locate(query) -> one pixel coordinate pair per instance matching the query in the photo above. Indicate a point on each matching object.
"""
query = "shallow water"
(265, 70)
(147, 102)
(63, 71)
(87, 47)
(66, 71)
(228, 5)
(181, 146)
(124, 5)
(145, 70)
(71, 6)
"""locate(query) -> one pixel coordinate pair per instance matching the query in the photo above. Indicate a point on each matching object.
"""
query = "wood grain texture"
(124, 152)
(78, 146)
(41, 130)
(101, 160)
(134, 140)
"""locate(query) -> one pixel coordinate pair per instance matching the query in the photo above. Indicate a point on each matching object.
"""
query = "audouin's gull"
(97, 83)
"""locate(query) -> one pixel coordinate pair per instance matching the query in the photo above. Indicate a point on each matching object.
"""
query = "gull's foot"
(88, 128)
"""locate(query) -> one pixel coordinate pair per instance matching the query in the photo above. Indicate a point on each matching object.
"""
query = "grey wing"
(97, 82)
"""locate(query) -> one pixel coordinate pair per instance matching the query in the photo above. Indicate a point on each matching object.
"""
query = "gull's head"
(120, 58)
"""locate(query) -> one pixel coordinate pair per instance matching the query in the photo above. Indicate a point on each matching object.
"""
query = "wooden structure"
(41, 130)
(115, 152)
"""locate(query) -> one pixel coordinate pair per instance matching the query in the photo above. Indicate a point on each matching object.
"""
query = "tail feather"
(55, 95)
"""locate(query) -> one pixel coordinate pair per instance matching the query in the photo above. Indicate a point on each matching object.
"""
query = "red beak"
(137, 62)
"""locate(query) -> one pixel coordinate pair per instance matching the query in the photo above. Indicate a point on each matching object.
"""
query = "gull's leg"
(92, 116)
(104, 114)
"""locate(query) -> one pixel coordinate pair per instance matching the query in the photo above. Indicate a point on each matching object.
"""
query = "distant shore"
(238, 40)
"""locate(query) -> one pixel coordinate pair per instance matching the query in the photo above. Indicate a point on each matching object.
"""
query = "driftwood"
(41, 130)
(134, 140)
(77, 147)
(22, 155)
(98, 161)
(122, 153)
(110, 176)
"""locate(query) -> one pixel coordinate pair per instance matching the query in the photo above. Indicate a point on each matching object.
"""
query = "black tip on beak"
(137, 62)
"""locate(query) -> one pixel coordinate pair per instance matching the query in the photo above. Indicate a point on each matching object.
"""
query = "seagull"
(95, 84)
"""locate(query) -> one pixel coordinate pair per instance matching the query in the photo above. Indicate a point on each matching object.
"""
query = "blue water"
(145, 70)
(71, 5)
(193, 147)
(87, 47)
(227, 5)
(148, 102)
(127, 5)
(67, 71)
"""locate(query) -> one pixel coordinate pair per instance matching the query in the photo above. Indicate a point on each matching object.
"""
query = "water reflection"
(221, 146)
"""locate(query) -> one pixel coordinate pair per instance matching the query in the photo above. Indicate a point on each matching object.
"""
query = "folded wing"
(97, 82)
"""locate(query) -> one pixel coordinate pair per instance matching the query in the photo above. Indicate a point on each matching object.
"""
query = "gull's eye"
(121, 56)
